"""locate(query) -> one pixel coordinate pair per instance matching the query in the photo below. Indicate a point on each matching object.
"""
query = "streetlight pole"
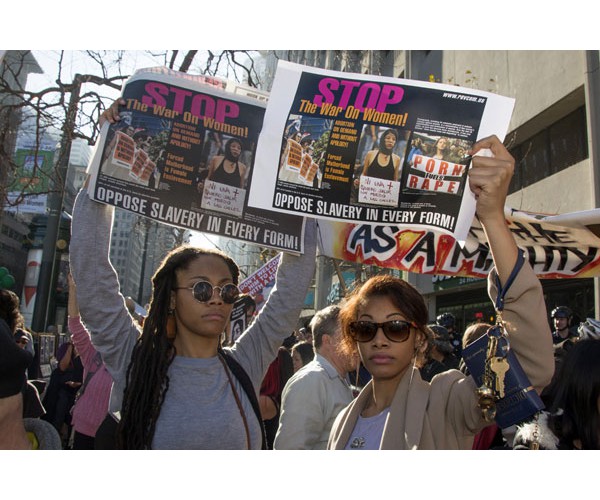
(55, 204)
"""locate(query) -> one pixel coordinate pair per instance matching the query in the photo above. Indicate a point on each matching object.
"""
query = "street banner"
(20, 203)
(183, 154)
(372, 150)
(556, 246)
(27, 193)
(30, 286)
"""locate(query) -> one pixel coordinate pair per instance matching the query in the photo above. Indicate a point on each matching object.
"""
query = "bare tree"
(40, 113)
(46, 110)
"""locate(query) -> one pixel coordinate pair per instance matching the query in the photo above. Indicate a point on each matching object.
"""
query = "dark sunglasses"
(395, 330)
(203, 291)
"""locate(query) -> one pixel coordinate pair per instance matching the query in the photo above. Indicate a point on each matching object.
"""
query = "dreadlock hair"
(147, 380)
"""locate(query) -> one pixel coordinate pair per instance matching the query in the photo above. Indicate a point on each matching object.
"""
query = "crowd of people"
(369, 373)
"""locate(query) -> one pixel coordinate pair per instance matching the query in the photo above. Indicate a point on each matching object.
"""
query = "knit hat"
(13, 363)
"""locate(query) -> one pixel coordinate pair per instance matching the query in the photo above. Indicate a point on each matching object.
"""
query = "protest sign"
(260, 283)
(374, 150)
(237, 321)
(560, 246)
(183, 154)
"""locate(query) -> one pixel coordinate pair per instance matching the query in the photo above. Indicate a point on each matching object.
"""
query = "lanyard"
(502, 291)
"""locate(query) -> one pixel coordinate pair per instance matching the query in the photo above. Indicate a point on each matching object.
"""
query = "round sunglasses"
(395, 330)
(203, 291)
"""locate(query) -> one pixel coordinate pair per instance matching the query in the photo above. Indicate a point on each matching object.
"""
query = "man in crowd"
(562, 318)
(315, 394)
(448, 321)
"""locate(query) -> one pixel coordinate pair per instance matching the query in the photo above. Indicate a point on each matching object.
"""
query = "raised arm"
(102, 306)
(524, 311)
(489, 179)
(257, 347)
(90, 358)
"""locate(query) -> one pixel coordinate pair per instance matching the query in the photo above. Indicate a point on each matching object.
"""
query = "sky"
(76, 61)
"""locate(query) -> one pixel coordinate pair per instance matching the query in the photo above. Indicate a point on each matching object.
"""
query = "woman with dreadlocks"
(174, 386)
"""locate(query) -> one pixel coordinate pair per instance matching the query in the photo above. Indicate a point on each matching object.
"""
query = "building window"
(568, 141)
(558, 146)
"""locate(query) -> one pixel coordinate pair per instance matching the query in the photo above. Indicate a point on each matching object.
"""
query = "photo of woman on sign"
(227, 168)
(382, 162)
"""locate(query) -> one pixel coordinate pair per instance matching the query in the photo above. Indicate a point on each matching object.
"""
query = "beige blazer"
(443, 414)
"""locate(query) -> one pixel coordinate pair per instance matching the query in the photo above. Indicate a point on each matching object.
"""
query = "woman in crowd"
(302, 354)
(91, 403)
(174, 387)
(278, 373)
(441, 149)
(573, 420)
(386, 321)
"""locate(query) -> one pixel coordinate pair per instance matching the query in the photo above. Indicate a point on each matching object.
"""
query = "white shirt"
(367, 432)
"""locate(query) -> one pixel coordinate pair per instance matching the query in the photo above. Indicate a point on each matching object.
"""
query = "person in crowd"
(368, 141)
(65, 381)
(11, 314)
(91, 404)
(416, 148)
(32, 403)
(174, 386)
(22, 339)
(448, 321)
(17, 432)
(441, 149)
(572, 422)
(385, 320)
(25, 339)
(382, 162)
(278, 373)
(562, 317)
(439, 353)
(290, 341)
(316, 393)
(564, 336)
(302, 353)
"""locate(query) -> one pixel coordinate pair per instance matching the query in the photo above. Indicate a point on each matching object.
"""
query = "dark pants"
(83, 442)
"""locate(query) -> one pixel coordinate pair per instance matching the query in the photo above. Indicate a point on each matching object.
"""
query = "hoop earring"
(171, 325)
